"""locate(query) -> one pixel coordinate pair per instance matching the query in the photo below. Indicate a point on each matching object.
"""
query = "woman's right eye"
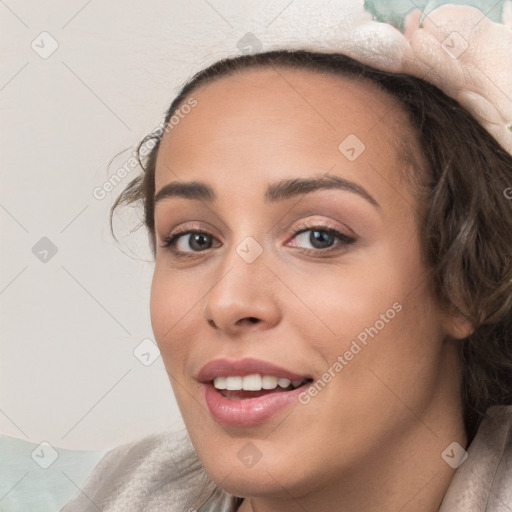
(188, 242)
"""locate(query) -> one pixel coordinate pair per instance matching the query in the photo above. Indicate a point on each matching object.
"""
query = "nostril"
(250, 319)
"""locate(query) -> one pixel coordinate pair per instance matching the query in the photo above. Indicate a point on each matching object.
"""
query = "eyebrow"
(279, 191)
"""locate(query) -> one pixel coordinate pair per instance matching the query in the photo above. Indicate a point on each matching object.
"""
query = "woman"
(331, 296)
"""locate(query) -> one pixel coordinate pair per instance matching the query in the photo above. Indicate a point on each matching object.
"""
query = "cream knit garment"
(161, 473)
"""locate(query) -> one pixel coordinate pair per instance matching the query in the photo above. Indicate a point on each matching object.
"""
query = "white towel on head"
(480, 77)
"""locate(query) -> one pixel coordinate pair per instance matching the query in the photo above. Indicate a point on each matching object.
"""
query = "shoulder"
(483, 482)
(160, 472)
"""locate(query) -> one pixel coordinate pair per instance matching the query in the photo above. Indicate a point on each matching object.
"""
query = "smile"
(249, 392)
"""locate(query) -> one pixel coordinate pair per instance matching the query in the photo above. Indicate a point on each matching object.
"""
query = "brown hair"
(466, 216)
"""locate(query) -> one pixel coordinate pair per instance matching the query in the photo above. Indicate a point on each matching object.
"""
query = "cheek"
(387, 325)
(175, 306)
(377, 311)
(350, 297)
(174, 300)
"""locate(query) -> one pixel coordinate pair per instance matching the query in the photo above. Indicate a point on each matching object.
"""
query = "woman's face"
(309, 270)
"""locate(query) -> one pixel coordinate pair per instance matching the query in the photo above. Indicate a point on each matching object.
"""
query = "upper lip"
(243, 367)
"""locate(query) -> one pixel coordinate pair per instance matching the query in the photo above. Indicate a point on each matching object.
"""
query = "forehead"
(305, 118)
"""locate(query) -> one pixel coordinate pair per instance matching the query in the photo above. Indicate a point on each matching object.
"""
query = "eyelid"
(191, 226)
(323, 224)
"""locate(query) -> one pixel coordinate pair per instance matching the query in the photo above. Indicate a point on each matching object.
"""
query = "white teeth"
(254, 382)
(234, 383)
(269, 382)
(284, 383)
(220, 382)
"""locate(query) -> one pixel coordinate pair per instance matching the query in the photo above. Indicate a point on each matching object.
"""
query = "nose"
(242, 297)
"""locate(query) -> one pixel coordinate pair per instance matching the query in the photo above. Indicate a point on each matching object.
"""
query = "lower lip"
(250, 411)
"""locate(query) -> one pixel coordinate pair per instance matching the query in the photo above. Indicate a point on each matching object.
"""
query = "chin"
(242, 470)
(253, 482)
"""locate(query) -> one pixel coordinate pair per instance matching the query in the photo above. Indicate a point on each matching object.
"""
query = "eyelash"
(343, 239)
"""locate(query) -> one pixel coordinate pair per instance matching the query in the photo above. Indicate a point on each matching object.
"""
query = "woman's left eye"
(320, 239)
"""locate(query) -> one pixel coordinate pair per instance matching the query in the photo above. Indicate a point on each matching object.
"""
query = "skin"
(372, 438)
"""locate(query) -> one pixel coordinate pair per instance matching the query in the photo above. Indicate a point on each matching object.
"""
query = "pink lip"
(250, 411)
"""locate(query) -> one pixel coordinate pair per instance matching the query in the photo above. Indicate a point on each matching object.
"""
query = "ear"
(457, 326)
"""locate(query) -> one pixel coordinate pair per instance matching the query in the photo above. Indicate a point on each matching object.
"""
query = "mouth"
(249, 392)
